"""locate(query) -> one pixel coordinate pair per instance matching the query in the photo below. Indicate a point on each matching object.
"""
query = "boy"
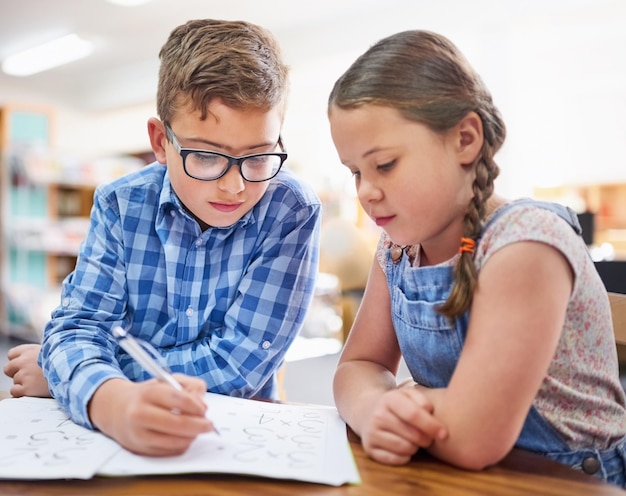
(209, 254)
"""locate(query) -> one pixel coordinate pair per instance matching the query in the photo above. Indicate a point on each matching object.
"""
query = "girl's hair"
(235, 61)
(427, 79)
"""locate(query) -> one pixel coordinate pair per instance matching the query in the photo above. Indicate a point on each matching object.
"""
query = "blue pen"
(143, 358)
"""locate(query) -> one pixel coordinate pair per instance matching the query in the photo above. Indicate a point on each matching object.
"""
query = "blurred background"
(556, 69)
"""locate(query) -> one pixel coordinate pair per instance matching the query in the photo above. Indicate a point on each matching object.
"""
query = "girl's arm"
(516, 321)
(393, 423)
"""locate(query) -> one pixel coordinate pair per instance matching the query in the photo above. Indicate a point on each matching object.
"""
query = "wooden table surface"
(520, 473)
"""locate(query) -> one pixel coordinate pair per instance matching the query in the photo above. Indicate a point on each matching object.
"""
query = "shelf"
(46, 201)
(61, 237)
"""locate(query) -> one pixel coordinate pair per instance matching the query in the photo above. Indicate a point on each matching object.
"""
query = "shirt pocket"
(430, 343)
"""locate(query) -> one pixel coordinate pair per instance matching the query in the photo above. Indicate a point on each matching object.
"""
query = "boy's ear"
(470, 138)
(158, 139)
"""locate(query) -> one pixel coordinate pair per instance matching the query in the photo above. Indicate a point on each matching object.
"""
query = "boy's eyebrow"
(221, 146)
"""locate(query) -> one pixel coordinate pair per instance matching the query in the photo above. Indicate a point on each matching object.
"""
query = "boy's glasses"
(206, 165)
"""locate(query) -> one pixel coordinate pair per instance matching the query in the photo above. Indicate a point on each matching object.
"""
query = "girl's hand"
(151, 417)
(22, 367)
(400, 423)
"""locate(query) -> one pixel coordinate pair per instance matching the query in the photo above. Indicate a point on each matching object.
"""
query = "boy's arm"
(78, 352)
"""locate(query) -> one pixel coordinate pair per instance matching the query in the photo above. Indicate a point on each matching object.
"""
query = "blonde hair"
(235, 61)
(427, 79)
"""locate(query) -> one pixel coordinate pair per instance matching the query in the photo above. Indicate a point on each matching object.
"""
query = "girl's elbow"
(478, 456)
(478, 461)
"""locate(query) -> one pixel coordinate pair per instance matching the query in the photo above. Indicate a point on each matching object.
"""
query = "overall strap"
(566, 213)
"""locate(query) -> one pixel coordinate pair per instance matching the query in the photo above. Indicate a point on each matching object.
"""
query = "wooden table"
(520, 473)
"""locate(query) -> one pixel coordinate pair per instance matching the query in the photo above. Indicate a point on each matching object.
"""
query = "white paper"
(299, 442)
(37, 441)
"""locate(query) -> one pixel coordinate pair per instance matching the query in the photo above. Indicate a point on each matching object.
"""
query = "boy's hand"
(28, 379)
(151, 417)
(399, 424)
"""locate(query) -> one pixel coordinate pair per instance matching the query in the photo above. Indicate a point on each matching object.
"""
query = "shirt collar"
(169, 201)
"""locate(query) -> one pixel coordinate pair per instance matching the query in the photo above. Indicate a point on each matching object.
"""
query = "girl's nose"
(368, 192)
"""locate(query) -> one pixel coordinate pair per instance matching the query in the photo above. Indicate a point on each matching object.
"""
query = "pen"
(143, 358)
(137, 352)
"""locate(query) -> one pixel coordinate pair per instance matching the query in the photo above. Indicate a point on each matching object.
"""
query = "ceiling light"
(43, 57)
(128, 3)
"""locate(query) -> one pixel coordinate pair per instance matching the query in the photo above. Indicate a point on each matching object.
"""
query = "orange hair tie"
(467, 245)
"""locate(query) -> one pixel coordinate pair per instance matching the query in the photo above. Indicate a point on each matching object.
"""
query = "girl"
(495, 305)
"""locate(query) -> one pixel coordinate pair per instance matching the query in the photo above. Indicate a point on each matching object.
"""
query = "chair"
(618, 312)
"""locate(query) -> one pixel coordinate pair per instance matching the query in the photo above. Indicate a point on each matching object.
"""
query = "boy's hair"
(426, 78)
(235, 61)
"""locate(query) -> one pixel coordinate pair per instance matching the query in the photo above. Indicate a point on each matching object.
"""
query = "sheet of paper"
(299, 442)
(38, 441)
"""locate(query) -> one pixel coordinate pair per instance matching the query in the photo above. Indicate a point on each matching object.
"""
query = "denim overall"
(431, 347)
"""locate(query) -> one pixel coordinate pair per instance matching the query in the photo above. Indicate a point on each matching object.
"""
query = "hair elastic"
(467, 246)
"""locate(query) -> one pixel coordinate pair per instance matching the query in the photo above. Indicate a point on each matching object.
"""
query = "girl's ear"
(470, 138)
(158, 139)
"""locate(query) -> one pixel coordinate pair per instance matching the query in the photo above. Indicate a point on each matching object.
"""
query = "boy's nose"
(232, 181)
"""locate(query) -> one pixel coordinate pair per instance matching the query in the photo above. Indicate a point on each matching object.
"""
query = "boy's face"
(223, 201)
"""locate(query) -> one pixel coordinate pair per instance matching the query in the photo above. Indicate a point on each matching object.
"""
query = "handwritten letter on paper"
(300, 442)
(283, 441)
(37, 441)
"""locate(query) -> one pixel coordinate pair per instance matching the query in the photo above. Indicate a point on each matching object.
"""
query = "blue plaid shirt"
(223, 305)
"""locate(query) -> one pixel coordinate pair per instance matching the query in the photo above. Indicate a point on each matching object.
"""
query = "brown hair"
(425, 77)
(235, 61)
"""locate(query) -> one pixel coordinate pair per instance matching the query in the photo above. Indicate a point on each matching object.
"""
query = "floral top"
(581, 395)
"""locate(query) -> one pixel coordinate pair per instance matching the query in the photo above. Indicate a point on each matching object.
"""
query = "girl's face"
(410, 180)
(224, 201)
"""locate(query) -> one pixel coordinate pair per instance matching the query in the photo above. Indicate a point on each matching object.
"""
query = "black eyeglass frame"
(184, 152)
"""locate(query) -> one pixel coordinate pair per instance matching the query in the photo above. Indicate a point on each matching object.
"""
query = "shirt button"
(199, 242)
(189, 312)
(591, 465)
(266, 345)
(66, 302)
